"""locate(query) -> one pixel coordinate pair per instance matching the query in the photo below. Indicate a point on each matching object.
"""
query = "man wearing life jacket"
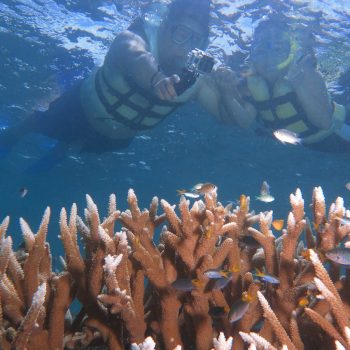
(135, 89)
(286, 92)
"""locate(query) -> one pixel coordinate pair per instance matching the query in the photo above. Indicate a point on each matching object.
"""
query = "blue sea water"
(47, 45)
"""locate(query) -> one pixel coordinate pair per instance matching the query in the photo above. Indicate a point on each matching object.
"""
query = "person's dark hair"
(282, 25)
(272, 24)
(199, 10)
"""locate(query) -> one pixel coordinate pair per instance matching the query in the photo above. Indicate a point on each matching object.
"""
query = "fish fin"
(265, 188)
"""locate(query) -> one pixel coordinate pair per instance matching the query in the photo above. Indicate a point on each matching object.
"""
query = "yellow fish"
(243, 202)
(303, 301)
(278, 224)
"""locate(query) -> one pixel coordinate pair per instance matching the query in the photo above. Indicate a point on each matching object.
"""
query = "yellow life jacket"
(128, 104)
(278, 108)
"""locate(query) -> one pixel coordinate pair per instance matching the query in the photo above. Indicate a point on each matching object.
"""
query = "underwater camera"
(198, 62)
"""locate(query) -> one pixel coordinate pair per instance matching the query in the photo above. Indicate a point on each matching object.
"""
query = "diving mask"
(181, 35)
(285, 44)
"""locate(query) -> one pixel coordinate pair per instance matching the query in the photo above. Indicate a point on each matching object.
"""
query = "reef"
(133, 290)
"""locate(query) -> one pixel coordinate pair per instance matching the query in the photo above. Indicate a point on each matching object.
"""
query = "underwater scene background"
(46, 46)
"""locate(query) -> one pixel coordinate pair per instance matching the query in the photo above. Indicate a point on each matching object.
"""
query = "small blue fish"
(239, 308)
(222, 282)
(266, 277)
(257, 326)
(218, 311)
(339, 255)
(187, 284)
(216, 273)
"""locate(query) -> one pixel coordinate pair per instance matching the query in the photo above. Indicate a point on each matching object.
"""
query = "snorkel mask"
(155, 13)
(265, 46)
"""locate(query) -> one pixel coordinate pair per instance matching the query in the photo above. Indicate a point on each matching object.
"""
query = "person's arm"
(312, 92)
(129, 54)
(219, 94)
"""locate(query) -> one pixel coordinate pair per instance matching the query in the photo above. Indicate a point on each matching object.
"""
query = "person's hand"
(226, 81)
(225, 78)
(299, 68)
(165, 87)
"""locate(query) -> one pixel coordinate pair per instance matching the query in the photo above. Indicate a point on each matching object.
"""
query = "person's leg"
(96, 143)
(332, 144)
(64, 121)
(13, 134)
(50, 159)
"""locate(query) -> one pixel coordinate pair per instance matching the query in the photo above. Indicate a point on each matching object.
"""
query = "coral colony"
(218, 279)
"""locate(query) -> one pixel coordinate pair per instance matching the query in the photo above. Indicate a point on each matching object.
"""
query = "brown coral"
(124, 280)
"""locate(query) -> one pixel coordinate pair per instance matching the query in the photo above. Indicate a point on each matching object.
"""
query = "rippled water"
(45, 46)
(46, 40)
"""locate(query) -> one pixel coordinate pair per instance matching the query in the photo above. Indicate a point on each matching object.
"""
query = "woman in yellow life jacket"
(285, 91)
(135, 89)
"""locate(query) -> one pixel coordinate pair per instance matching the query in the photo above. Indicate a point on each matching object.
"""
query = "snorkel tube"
(290, 58)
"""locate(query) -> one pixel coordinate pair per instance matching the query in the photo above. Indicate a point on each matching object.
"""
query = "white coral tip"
(319, 196)
(339, 346)
(111, 262)
(221, 343)
(148, 344)
(347, 334)
(122, 237)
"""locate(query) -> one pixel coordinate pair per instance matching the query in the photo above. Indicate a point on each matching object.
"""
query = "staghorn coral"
(124, 280)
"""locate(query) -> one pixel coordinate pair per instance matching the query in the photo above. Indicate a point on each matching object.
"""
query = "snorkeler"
(134, 90)
(285, 92)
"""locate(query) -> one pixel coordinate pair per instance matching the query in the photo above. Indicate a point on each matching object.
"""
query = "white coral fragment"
(122, 238)
(266, 218)
(148, 344)
(347, 334)
(297, 199)
(338, 346)
(319, 196)
(111, 262)
(221, 343)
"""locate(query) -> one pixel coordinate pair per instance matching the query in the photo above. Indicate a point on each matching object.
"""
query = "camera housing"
(198, 62)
